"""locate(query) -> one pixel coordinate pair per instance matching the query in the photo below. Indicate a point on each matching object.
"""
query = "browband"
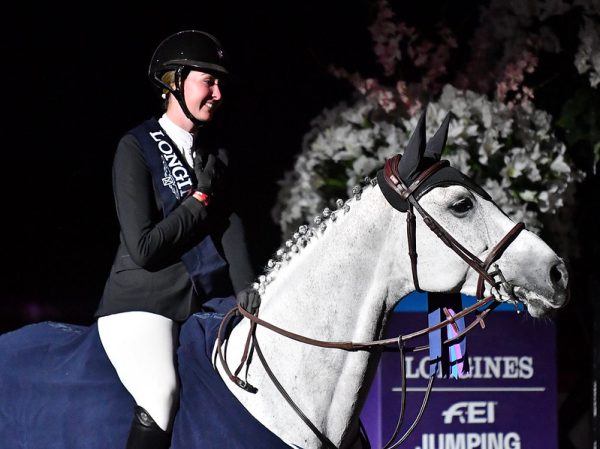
(438, 174)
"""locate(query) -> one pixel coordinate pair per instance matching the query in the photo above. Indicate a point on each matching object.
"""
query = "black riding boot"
(145, 433)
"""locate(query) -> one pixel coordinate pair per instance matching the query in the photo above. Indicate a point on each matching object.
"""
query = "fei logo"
(472, 412)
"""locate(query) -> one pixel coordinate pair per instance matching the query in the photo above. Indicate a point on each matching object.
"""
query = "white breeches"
(142, 348)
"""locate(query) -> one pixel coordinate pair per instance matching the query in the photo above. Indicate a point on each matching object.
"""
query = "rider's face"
(202, 94)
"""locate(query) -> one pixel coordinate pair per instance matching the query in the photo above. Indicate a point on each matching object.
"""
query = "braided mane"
(302, 237)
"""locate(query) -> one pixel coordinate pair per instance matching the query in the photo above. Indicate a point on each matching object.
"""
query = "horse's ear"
(414, 150)
(436, 144)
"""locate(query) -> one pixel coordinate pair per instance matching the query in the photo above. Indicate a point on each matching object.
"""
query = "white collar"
(179, 136)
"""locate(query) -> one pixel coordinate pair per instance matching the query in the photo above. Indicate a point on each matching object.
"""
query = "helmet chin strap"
(179, 95)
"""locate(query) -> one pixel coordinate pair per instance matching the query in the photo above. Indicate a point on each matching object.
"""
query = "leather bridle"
(394, 180)
(489, 303)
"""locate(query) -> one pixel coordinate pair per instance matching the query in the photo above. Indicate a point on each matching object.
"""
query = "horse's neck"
(334, 287)
(341, 286)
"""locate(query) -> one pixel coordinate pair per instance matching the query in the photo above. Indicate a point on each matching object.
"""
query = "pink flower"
(387, 36)
(511, 83)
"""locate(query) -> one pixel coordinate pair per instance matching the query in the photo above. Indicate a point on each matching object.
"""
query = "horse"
(420, 225)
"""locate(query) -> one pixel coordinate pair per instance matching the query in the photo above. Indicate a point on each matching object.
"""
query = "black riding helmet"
(184, 51)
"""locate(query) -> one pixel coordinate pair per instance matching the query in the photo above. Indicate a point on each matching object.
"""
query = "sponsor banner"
(508, 400)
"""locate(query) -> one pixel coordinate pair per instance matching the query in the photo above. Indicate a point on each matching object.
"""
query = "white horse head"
(529, 272)
(340, 279)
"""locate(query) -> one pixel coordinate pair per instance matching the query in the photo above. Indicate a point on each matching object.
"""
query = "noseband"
(406, 193)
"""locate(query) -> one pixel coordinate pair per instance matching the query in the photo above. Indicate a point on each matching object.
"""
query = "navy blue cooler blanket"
(58, 390)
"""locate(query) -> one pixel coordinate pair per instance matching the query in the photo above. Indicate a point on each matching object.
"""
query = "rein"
(406, 193)
(399, 341)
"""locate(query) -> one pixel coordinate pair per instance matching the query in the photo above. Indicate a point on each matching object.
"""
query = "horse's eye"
(462, 206)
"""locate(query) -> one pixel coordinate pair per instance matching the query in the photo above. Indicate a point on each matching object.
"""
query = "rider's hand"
(207, 173)
(211, 172)
(249, 299)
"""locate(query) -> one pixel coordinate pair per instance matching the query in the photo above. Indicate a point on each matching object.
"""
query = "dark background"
(74, 80)
(77, 80)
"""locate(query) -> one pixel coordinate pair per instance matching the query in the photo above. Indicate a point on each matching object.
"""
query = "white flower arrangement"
(587, 58)
(511, 152)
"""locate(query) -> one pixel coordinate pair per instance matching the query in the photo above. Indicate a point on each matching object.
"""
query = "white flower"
(364, 165)
(489, 145)
(559, 165)
(528, 195)
(587, 58)
(460, 160)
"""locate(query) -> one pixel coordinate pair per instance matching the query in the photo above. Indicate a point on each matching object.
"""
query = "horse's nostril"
(556, 273)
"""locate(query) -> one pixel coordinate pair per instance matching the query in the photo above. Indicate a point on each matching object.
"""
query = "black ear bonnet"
(418, 156)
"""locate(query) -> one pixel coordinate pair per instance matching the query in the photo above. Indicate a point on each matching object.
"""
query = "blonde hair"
(169, 79)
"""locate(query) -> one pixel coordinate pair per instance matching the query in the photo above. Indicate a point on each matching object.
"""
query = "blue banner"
(507, 401)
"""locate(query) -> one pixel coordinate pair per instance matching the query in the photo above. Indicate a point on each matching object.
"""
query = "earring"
(164, 96)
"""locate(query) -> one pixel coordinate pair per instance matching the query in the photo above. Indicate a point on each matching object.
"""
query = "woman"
(181, 244)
